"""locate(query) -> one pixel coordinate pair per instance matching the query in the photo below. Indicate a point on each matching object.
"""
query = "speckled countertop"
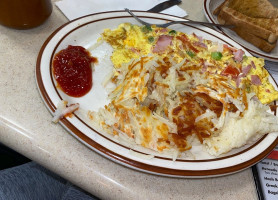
(25, 126)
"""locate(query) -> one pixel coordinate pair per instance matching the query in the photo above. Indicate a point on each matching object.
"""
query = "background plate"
(209, 7)
(84, 32)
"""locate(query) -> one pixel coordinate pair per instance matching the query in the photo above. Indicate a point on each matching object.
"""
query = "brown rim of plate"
(162, 170)
(126, 161)
(209, 14)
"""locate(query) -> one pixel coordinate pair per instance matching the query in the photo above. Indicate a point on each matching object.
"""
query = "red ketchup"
(72, 70)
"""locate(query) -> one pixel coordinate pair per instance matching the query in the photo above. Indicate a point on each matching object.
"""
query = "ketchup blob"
(72, 70)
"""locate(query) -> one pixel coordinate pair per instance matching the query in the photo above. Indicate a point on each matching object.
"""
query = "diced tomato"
(230, 70)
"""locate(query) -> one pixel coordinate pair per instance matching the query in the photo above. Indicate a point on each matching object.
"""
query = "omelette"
(131, 42)
(172, 89)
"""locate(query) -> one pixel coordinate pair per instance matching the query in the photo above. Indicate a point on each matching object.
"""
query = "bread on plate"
(260, 29)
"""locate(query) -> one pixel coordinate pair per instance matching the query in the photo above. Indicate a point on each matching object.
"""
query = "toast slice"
(260, 43)
(255, 40)
(220, 7)
(264, 28)
(254, 8)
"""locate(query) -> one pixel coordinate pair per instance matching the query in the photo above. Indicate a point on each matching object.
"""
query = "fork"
(178, 22)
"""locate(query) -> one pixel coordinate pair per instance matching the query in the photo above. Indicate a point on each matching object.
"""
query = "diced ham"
(253, 64)
(245, 70)
(238, 55)
(162, 43)
(163, 30)
(255, 80)
(238, 79)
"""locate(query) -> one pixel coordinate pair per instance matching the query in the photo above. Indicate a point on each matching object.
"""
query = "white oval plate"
(84, 32)
(209, 7)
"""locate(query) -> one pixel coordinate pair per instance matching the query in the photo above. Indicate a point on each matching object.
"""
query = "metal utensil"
(178, 22)
(164, 5)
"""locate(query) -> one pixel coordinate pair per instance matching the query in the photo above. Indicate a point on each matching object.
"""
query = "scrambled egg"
(265, 92)
(129, 41)
(132, 41)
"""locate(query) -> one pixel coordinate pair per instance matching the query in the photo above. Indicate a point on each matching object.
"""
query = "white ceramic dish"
(209, 7)
(84, 32)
